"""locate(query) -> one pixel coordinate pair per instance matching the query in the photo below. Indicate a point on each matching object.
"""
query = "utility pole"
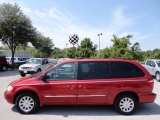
(66, 49)
(99, 35)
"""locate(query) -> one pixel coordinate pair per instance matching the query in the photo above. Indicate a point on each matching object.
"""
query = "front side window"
(64, 71)
(93, 70)
(125, 70)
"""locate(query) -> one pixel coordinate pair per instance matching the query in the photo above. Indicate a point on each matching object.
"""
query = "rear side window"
(93, 70)
(125, 70)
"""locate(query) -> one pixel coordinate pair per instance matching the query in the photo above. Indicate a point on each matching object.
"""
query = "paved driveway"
(149, 111)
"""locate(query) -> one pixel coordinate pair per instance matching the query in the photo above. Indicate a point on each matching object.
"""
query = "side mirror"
(45, 77)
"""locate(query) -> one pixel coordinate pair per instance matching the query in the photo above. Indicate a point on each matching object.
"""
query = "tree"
(86, 48)
(44, 45)
(71, 52)
(57, 53)
(106, 53)
(136, 47)
(122, 48)
(15, 28)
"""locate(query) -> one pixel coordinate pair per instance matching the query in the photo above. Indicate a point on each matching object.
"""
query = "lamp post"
(66, 49)
(99, 44)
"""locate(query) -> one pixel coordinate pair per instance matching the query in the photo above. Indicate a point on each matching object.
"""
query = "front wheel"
(27, 103)
(157, 76)
(39, 70)
(125, 104)
(22, 74)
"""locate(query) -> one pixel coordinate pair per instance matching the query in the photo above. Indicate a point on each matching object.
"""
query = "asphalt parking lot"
(149, 111)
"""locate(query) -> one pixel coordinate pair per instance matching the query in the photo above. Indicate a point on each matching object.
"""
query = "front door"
(92, 82)
(61, 85)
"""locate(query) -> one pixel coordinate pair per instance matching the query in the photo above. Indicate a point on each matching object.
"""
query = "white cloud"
(59, 25)
(120, 20)
(5, 1)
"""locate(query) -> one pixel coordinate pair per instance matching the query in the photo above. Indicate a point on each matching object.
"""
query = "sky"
(58, 19)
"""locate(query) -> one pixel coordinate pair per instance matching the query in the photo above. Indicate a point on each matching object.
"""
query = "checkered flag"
(73, 39)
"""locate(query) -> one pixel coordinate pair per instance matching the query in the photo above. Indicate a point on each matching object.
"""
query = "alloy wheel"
(126, 104)
(26, 104)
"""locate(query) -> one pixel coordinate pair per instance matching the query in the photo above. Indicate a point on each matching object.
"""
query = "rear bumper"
(146, 97)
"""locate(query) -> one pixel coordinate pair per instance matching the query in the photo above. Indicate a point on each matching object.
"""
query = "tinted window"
(64, 71)
(93, 70)
(125, 70)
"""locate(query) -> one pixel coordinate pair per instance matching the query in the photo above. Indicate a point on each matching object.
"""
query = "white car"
(17, 60)
(33, 65)
(153, 67)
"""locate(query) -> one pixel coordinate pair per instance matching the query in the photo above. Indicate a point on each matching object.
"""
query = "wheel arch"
(127, 92)
(27, 91)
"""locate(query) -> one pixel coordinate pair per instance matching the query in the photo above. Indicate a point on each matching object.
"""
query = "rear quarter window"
(125, 70)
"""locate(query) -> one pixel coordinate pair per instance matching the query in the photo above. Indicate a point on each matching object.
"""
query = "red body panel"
(92, 91)
(59, 92)
(80, 92)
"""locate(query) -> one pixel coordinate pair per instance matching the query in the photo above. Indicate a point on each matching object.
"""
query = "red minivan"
(121, 83)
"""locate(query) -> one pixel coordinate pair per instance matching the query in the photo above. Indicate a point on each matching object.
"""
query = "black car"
(3, 64)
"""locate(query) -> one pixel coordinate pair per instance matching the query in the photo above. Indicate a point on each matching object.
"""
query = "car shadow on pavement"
(9, 73)
(143, 109)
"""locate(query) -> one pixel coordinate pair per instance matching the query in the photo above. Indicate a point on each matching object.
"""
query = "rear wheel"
(157, 76)
(27, 103)
(125, 104)
(4, 68)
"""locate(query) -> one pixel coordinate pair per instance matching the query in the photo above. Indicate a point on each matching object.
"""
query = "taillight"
(151, 83)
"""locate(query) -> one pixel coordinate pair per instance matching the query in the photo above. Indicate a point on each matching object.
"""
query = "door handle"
(81, 86)
(71, 86)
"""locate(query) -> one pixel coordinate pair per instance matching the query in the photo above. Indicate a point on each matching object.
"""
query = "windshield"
(35, 61)
(158, 63)
(36, 74)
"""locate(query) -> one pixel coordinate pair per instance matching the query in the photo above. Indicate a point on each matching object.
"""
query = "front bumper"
(26, 72)
(147, 97)
(9, 96)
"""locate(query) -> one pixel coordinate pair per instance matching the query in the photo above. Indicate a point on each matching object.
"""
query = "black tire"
(128, 107)
(22, 74)
(22, 107)
(157, 76)
(4, 68)
(39, 70)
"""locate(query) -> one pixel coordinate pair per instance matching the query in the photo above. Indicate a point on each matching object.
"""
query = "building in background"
(8, 53)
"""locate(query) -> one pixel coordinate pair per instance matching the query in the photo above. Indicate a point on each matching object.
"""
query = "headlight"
(33, 68)
(10, 88)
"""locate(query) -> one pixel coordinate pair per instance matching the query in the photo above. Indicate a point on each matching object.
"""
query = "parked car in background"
(153, 67)
(33, 65)
(121, 83)
(3, 64)
(62, 59)
(17, 60)
(52, 62)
